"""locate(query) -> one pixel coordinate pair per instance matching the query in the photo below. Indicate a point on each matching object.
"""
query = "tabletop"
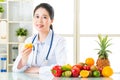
(29, 76)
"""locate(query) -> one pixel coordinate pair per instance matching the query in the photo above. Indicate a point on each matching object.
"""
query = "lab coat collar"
(47, 40)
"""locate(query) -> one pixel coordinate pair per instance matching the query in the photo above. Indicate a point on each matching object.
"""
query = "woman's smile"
(39, 25)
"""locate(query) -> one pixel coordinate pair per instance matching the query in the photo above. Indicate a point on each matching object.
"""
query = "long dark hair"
(49, 8)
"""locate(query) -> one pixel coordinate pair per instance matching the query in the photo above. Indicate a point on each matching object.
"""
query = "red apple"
(75, 71)
(79, 66)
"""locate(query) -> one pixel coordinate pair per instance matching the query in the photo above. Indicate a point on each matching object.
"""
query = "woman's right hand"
(25, 54)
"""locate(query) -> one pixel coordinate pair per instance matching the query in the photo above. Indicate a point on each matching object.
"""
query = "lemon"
(84, 73)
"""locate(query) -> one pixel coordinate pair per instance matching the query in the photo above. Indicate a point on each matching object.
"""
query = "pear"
(93, 68)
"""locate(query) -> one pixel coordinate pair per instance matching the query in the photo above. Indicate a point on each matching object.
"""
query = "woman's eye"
(36, 16)
(45, 17)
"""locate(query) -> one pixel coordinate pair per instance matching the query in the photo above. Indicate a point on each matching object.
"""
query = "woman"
(48, 48)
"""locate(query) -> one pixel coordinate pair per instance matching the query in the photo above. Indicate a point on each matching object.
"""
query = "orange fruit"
(107, 71)
(89, 61)
(28, 45)
(84, 73)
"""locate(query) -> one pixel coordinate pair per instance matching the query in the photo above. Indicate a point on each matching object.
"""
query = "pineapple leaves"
(104, 44)
(100, 37)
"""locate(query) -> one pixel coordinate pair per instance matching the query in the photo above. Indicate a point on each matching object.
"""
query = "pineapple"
(103, 60)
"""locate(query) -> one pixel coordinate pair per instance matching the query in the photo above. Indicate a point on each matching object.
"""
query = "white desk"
(25, 76)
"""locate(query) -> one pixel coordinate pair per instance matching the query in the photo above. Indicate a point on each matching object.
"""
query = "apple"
(75, 71)
(79, 66)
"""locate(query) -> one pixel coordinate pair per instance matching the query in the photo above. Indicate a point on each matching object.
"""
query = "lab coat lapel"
(44, 54)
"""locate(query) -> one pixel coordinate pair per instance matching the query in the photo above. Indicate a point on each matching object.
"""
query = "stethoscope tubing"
(51, 42)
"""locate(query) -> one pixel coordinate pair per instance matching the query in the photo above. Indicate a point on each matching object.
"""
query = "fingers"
(26, 52)
(26, 49)
(32, 70)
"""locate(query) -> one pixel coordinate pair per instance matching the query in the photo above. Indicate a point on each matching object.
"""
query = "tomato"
(56, 71)
(75, 71)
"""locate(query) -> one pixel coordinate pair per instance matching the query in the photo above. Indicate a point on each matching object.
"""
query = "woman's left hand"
(32, 70)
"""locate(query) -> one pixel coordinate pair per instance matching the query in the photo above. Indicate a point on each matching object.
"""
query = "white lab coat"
(57, 54)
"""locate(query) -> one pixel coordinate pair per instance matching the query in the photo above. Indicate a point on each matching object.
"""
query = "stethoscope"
(46, 58)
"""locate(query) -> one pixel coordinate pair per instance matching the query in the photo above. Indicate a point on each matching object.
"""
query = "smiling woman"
(44, 49)
(62, 22)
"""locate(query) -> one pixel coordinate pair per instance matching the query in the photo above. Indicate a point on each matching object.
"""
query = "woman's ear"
(52, 20)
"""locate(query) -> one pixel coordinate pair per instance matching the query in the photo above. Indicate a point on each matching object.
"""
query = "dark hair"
(49, 8)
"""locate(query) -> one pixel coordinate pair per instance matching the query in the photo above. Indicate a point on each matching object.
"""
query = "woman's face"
(42, 20)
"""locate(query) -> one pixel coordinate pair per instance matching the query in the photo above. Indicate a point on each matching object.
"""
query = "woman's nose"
(40, 20)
